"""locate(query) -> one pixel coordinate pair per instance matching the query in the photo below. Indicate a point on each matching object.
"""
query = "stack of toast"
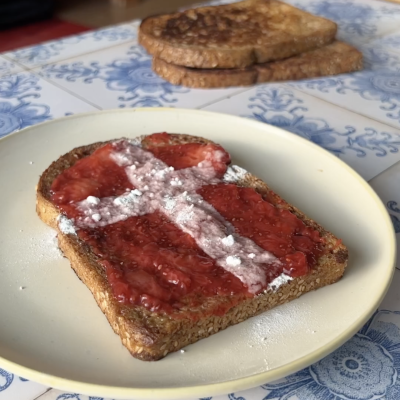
(245, 43)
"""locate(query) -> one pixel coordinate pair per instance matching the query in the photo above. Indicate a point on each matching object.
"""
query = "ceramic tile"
(54, 394)
(377, 58)
(8, 67)
(13, 387)
(392, 298)
(257, 393)
(359, 21)
(72, 46)
(365, 367)
(373, 92)
(26, 99)
(368, 146)
(61, 395)
(390, 42)
(121, 76)
(387, 186)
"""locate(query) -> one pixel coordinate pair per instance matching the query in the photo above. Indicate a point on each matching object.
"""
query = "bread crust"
(234, 35)
(333, 59)
(150, 336)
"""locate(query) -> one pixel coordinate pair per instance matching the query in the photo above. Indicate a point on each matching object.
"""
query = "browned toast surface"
(235, 35)
(149, 335)
(333, 59)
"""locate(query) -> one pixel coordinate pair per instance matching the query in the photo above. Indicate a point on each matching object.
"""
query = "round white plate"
(51, 330)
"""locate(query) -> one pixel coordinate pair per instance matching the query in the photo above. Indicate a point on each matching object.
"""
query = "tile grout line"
(25, 69)
(382, 46)
(382, 172)
(342, 108)
(68, 91)
(31, 71)
(41, 395)
(368, 118)
(388, 33)
(240, 91)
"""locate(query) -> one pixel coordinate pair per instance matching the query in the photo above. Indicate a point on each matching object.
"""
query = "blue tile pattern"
(19, 105)
(75, 396)
(281, 107)
(364, 368)
(377, 86)
(5, 379)
(381, 86)
(394, 208)
(358, 21)
(132, 76)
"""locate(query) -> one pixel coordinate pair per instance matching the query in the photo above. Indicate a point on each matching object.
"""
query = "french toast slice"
(332, 59)
(151, 335)
(235, 35)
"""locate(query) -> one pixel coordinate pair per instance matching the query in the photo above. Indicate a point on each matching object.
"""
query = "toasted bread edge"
(333, 59)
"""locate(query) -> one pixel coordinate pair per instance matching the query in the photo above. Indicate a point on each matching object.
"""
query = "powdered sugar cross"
(160, 187)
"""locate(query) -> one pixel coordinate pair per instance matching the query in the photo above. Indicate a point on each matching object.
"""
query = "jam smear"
(97, 175)
(150, 261)
(186, 155)
(191, 154)
(274, 229)
(157, 139)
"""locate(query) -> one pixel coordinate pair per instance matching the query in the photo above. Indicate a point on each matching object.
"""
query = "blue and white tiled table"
(356, 117)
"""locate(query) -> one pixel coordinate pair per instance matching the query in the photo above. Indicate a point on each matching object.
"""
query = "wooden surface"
(125, 3)
(98, 13)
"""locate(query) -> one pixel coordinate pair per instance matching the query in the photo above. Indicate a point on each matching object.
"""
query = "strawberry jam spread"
(171, 229)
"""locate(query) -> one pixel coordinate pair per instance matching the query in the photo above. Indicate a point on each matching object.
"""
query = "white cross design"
(160, 187)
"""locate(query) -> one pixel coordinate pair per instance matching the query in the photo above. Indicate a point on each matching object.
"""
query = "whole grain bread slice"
(333, 59)
(235, 35)
(149, 335)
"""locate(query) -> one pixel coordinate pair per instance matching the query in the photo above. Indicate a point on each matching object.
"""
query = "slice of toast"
(234, 35)
(333, 59)
(152, 335)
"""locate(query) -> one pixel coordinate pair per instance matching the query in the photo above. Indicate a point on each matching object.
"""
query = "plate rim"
(236, 384)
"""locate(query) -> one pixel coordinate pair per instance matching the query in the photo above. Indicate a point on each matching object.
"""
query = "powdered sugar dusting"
(121, 159)
(93, 200)
(44, 246)
(66, 225)
(264, 331)
(209, 228)
(279, 281)
(174, 193)
(233, 261)
(137, 141)
(96, 217)
(234, 174)
(228, 241)
(114, 209)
